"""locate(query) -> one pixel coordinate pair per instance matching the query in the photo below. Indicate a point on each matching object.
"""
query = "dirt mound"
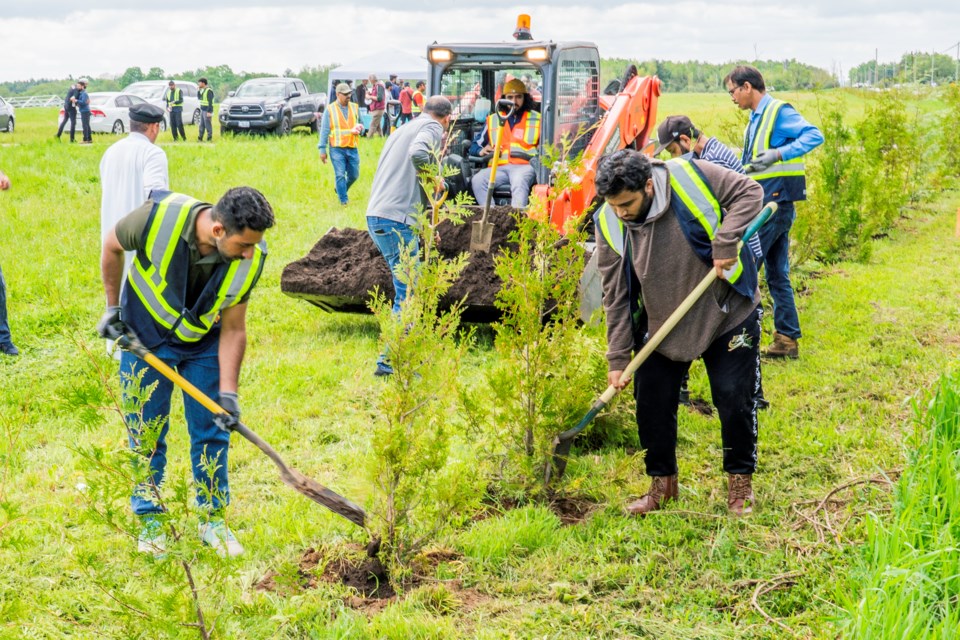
(353, 569)
(572, 509)
(344, 266)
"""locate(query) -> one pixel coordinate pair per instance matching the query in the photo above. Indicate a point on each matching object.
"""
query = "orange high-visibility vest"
(341, 129)
(524, 137)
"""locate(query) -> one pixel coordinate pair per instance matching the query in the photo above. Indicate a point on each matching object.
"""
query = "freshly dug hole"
(344, 266)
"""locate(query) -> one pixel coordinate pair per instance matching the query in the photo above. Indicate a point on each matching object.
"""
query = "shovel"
(291, 477)
(481, 233)
(564, 441)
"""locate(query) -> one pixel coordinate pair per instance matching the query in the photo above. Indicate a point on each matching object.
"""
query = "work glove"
(111, 326)
(765, 160)
(231, 404)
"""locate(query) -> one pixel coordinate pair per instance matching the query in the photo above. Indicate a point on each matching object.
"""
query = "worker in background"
(340, 127)
(7, 347)
(406, 104)
(395, 196)
(658, 235)
(69, 113)
(205, 96)
(174, 100)
(376, 98)
(419, 97)
(521, 137)
(130, 170)
(186, 299)
(677, 136)
(83, 108)
(775, 141)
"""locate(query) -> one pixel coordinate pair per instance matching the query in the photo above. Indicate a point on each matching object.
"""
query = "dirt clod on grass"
(572, 510)
(352, 569)
(344, 266)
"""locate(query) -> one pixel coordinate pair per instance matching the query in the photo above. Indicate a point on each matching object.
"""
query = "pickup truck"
(271, 104)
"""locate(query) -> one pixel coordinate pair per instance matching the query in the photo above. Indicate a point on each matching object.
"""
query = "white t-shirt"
(129, 170)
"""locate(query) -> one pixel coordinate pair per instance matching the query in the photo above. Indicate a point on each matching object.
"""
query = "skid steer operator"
(521, 136)
(654, 246)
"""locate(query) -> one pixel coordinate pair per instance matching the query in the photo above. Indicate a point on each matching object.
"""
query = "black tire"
(10, 125)
(196, 118)
(315, 125)
(163, 125)
(117, 127)
(284, 127)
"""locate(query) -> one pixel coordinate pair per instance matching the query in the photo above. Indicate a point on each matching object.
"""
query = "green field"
(877, 336)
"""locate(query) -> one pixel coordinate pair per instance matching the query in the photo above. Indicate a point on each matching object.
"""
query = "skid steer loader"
(563, 78)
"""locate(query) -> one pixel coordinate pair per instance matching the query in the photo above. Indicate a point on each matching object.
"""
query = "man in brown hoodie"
(662, 228)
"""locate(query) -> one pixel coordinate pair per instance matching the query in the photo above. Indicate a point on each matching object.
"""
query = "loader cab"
(563, 79)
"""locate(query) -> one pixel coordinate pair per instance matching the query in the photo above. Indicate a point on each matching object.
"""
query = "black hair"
(438, 106)
(203, 80)
(421, 83)
(745, 73)
(243, 208)
(623, 170)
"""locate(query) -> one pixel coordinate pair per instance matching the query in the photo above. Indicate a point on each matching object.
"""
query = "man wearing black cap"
(174, 99)
(678, 136)
(129, 170)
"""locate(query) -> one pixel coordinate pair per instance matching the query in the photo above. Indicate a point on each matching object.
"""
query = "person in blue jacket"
(83, 107)
(775, 141)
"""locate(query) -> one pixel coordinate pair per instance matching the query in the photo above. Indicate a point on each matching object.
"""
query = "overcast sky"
(55, 38)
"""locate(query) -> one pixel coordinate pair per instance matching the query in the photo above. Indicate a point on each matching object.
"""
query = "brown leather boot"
(740, 494)
(782, 347)
(662, 489)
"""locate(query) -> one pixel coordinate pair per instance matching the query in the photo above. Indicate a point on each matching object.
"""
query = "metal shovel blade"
(481, 236)
(324, 496)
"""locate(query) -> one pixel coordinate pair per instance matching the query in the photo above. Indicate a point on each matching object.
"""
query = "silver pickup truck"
(271, 104)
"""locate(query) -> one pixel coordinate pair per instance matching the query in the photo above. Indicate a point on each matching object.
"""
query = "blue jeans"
(775, 239)
(346, 169)
(390, 237)
(206, 439)
(4, 324)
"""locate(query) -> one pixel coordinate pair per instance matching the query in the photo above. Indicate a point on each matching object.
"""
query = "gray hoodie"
(668, 270)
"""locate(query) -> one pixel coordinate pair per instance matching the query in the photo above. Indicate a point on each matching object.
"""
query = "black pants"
(206, 124)
(85, 123)
(176, 123)
(733, 367)
(71, 115)
(404, 118)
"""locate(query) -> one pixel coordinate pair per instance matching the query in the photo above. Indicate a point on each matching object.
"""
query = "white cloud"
(52, 39)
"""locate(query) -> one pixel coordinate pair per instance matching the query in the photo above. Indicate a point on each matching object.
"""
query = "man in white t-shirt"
(129, 170)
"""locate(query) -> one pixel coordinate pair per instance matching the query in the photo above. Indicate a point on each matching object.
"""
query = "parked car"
(6, 116)
(271, 104)
(153, 91)
(109, 111)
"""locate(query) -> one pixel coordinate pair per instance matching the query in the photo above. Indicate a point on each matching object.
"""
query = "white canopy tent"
(383, 64)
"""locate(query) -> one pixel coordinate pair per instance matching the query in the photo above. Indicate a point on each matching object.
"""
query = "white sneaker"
(152, 539)
(217, 534)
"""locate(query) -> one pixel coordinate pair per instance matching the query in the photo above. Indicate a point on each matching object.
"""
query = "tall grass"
(912, 586)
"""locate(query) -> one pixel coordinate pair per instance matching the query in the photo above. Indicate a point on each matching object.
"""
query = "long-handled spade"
(481, 233)
(299, 482)
(564, 441)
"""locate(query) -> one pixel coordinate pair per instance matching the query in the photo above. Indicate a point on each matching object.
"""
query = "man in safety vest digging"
(663, 227)
(185, 298)
(521, 138)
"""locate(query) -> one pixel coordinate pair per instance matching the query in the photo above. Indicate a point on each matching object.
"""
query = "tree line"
(694, 76)
(912, 68)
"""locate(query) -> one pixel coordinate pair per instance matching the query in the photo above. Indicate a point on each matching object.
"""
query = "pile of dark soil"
(344, 266)
(572, 510)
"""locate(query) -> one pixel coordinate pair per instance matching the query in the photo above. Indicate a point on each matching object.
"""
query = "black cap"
(670, 131)
(146, 112)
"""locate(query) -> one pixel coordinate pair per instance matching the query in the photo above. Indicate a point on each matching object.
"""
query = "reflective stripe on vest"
(147, 277)
(689, 186)
(761, 142)
(414, 107)
(175, 97)
(341, 134)
(611, 228)
(206, 97)
(522, 138)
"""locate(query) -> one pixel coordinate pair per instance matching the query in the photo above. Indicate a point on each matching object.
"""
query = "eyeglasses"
(734, 90)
